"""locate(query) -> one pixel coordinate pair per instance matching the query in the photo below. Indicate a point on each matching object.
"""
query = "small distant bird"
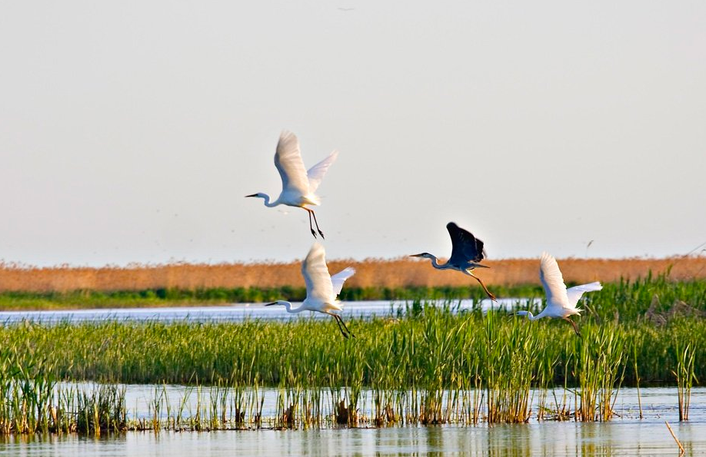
(321, 288)
(298, 185)
(466, 253)
(561, 302)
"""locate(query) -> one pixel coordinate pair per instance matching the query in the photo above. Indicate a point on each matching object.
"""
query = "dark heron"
(298, 184)
(561, 302)
(466, 254)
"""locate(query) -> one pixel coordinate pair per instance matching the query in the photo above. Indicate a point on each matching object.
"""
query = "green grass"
(425, 366)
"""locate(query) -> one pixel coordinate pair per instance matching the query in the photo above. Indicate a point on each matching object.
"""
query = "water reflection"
(539, 439)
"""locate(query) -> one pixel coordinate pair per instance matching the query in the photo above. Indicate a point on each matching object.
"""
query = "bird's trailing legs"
(573, 324)
(311, 227)
(469, 273)
(342, 326)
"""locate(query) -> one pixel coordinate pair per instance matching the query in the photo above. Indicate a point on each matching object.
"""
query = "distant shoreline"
(394, 274)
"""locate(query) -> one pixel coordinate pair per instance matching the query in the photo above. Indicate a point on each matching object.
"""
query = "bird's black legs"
(492, 297)
(341, 325)
(345, 326)
(311, 225)
(573, 324)
(343, 332)
(317, 224)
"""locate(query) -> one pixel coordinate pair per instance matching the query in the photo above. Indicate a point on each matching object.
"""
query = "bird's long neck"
(529, 315)
(267, 201)
(435, 263)
(288, 307)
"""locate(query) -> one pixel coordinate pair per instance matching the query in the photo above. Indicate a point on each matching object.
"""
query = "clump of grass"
(685, 377)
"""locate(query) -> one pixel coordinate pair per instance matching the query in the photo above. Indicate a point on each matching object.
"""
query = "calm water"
(625, 435)
(237, 312)
(562, 438)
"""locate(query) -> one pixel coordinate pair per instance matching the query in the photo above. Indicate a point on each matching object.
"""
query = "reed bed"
(433, 364)
(371, 273)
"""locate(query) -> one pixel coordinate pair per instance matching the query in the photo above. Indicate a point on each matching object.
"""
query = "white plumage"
(298, 185)
(322, 289)
(561, 302)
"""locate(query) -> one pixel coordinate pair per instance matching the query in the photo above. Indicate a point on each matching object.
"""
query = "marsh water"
(626, 434)
(242, 311)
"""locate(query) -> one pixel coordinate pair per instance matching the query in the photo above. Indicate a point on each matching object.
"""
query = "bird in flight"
(561, 302)
(321, 288)
(466, 254)
(298, 184)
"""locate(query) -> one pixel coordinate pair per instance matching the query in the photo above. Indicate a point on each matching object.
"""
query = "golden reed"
(393, 273)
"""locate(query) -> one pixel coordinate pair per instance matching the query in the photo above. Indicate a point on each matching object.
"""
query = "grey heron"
(298, 184)
(466, 253)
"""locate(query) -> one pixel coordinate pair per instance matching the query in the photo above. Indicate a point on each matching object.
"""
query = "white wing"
(316, 275)
(317, 172)
(288, 160)
(576, 292)
(339, 278)
(553, 282)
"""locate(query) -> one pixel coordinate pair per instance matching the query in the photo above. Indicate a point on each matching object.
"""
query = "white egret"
(466, 252)
(321, 288)
(561, 302)
(298, 185)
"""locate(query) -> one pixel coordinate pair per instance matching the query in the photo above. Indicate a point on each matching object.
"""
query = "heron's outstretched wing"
(575, 293)
(339, 278)
(288, 160)
(316, 275)
(553, 282)
(466, 247)
(317, 172)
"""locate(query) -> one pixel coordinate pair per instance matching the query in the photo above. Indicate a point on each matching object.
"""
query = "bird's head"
(424, 255)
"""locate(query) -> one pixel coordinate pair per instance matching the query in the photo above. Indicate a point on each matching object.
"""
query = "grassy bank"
(629, 299)
(430, 348)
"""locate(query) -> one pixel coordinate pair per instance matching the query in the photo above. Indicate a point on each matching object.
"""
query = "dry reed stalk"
(370, 273)
(681, 448)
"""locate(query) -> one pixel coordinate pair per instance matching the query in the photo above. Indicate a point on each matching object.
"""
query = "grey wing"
(466, 247)
(288, 160)
(575, 293)
(553, 282)
(316, 275)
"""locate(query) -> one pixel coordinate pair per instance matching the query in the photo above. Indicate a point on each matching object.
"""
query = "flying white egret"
(321, 288)
(561, 302)
(466, 252)
(298, 185)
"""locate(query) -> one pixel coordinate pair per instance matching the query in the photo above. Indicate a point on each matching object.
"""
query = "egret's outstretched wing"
(553, 282)
(466, 247)
(317, 172)
(575, 293)
(339, 278)
(288, 160)
(316, 275)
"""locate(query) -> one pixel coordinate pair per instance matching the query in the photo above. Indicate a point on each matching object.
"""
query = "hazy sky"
(130, 131)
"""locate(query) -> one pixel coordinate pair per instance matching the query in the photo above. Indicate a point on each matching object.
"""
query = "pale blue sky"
(130, 131)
